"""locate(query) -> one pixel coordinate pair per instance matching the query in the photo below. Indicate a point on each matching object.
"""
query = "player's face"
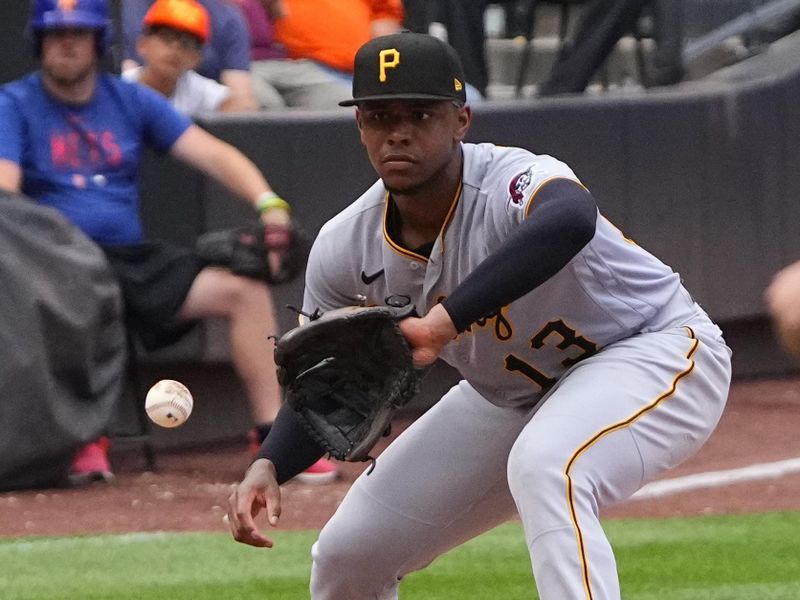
(168, 52)
(409, 142)
(69, 55)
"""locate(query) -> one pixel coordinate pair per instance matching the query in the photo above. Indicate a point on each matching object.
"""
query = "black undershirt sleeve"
(562, 221)
(289, 447)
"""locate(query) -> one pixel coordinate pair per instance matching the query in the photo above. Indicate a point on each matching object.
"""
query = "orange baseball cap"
(184, 15)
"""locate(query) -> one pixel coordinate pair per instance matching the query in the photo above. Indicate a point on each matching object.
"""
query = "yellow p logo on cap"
(388, 59)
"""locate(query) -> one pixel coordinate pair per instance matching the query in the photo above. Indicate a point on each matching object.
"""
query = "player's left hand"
(258, 490)
(428, 335)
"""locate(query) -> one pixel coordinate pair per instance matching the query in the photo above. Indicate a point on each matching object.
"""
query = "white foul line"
(712, 479)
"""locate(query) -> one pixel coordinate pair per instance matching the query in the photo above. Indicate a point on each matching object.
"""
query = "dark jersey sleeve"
(561, 222)
(289, 447)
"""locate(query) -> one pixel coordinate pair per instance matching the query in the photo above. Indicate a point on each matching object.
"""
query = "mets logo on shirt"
(67, 5)
(518, 185)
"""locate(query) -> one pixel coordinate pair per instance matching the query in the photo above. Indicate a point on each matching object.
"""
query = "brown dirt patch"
(189, 489)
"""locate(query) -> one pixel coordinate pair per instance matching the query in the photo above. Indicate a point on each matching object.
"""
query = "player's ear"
(360, 122)
(464, 120)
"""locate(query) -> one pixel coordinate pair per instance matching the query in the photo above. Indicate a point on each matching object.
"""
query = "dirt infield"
(188, 491)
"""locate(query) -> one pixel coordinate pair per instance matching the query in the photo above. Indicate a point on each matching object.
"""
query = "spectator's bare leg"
(247, 306)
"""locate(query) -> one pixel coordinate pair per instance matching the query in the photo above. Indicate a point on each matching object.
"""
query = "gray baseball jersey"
(574, 395)
(610, 290)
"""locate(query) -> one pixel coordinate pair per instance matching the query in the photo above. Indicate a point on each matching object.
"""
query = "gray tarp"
(62, 343)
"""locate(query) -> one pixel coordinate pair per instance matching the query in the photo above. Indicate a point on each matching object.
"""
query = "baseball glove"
(345, 374)
(245, 251)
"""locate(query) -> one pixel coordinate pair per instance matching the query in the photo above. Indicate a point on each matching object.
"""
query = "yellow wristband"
(269, 200)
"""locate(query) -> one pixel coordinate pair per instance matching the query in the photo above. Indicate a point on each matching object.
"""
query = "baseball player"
(588, 370)
(72, 137)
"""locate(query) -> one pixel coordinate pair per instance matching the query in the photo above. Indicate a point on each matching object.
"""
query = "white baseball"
(169, 403)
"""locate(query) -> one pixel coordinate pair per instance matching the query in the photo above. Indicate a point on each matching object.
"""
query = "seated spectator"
(281, 82)
(173, 35)
(330, 32)
(225, 58)
(72, 137)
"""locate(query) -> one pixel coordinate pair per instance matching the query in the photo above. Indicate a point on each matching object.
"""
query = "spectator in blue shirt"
(71, 137)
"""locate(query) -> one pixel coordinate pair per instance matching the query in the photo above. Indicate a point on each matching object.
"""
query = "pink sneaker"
(91, 463)
(322, 471)
(253, 443)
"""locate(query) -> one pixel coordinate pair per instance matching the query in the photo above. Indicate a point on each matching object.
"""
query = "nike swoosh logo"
(367, 279)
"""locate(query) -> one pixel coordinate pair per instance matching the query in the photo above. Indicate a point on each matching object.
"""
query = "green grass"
(711, 558)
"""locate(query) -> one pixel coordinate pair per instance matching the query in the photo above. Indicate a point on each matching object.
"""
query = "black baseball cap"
(407, 66)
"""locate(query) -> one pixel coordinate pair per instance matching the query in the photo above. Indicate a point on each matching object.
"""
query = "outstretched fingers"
(258, 491)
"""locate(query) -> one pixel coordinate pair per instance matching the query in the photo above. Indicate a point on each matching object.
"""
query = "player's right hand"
(258, 490)
(428, 335)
